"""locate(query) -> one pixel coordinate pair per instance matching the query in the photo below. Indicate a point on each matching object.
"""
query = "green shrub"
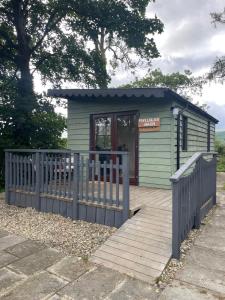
(220, 149)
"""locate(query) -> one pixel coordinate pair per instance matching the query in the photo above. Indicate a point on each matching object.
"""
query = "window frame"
(184, 133)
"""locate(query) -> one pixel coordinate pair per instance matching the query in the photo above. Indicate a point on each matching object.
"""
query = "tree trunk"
(26, 101)
(25, 82)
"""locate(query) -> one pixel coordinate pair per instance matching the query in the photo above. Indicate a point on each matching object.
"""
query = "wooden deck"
(141, 247)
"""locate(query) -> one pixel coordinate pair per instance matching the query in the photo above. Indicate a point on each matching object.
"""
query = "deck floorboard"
(141, 247)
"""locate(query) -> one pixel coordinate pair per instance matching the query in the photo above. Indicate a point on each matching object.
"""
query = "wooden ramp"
(141, 247)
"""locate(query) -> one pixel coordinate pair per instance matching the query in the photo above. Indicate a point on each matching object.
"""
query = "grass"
(2, 189)
(221, 164)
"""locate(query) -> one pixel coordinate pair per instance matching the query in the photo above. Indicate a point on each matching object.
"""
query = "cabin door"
(117, 132)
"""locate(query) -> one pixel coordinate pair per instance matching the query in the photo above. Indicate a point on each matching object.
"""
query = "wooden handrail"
(179, 173)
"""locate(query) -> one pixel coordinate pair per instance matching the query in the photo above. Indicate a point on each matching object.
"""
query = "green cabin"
(160, 129)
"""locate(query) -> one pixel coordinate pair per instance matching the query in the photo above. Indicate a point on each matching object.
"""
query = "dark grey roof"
(154, 92)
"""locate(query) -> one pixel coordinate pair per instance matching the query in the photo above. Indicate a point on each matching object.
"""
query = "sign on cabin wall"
(149, 124)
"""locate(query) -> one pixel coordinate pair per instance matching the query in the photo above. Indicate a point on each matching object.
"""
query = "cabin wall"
(196, 136)
(155, 148)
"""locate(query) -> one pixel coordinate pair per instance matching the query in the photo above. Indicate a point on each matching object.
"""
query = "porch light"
(175, 111)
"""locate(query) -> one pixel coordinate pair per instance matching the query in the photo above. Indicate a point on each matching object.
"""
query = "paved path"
(203, 275)
(29, 270)
(141, 248)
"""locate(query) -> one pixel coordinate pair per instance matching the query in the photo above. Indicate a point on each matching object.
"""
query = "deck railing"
(91, 186)
(194, 194)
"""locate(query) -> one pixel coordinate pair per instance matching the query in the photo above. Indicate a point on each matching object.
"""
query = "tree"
(218, 70)
(63, 41)
(68, 40)
(183, 83)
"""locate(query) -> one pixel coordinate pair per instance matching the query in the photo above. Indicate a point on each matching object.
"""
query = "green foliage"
(70, 40)
(220, 149)
(218, 69)
(220, 136)
(184, 83)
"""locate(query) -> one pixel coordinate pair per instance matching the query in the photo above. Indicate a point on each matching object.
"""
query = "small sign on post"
(149, 124)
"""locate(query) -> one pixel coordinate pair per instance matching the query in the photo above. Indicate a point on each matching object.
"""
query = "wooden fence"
(91, 186)
(194, 194)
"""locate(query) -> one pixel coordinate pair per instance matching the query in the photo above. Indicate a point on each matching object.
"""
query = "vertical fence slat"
(10, 170)
(64, 175)
(81, 177)
(75, 185)
(111, 181)
(93, 180)
(117, 182)
(175, 222)
(55, 175)
(51, 173)
(99, 180)
(7, 177)
(37, 183)
(87, 179)
(69, 177)
(105, 180)
(126, 186)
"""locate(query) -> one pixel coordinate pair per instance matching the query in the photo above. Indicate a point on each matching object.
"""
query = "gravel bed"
(70, 237)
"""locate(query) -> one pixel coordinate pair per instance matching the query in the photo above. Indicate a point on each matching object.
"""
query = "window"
(208, 136)
(184, 133)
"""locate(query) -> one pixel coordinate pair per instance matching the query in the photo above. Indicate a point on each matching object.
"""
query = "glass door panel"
(103, 136)
(103, 141)
(126, 138)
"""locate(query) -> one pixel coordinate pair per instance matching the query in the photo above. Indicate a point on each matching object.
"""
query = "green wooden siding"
(154, 147)
(157, 150)
(197, 136)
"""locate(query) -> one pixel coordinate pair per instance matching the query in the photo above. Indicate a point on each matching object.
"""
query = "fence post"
(75, 185)
(215, 178)
(197, 221)
(176, 220)
(126, 187)
(7, 177)
(37, 183)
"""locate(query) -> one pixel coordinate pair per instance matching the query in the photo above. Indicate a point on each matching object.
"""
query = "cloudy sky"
(189, 41)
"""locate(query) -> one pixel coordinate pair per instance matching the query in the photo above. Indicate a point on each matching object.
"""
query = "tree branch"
(50, 24)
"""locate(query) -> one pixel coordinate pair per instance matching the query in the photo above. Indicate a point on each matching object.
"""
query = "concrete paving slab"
(36, 262)
(57, 297)
(132, 289)
(182, 291)
(3, 233)
(10, 240)
(96, 284)
(40, 286)
(70, 268)
(8, 279)
(6, 259)
(212, 237)
(25, 248)
(218, 220)
(202, 277)
(206, 258)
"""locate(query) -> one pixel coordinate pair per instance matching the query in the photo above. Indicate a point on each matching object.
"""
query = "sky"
(189, 41)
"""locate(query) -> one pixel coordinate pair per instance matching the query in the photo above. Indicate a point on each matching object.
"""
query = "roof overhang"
(131, 93)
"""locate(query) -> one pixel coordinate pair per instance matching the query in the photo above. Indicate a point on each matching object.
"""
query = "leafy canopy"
(183, 83)
(75, 40)
(218, 70)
